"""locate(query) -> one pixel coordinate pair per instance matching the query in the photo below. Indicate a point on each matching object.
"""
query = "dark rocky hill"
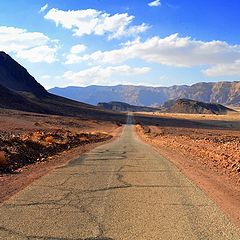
(16, 77)
(12, 100)
(195, 107)
(227, 93)
(20, 91)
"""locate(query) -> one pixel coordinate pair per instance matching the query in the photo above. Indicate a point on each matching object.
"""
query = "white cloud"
(74, 56)
(43, 8)
(91, 21)
(101, 75)
(135, 30)
(79, 48)
(38, 54)
(229, 69)
(155, 3)
(32, 46)
(172, 50)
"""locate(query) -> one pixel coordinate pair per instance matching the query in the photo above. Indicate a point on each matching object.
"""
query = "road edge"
(210, 186)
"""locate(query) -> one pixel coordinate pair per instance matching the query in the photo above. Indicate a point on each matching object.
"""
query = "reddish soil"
(31, 145)
(208, 155)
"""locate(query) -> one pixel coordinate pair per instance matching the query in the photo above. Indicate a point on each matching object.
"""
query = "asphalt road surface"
(121, 190)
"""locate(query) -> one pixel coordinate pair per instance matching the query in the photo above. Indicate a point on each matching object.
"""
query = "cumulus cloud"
(155, 3)
(91, 21)
(74, 56)
(171, 50)
(102, 75)
(38, 54)
(230, 69)
(32, 46)
(43, 8)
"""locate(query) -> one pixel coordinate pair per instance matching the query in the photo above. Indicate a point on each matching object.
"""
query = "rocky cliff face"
(220, 92)
(225, 92)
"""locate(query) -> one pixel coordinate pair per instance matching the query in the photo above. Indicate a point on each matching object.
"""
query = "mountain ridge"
(225, 92)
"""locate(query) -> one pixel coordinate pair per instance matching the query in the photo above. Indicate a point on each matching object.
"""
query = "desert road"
(120, 190)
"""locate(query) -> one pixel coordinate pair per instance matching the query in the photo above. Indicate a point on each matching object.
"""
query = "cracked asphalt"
(121, 190)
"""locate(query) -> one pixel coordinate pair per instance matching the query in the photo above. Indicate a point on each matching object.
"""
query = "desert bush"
(83, 138)
(3, 158)
(146, 129)
(36, 136)
(24, 137)
(49, 139)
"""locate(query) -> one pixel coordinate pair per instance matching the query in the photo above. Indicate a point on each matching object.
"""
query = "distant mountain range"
(171, 106)
(227, 93)
(20, 91)
(125, 107)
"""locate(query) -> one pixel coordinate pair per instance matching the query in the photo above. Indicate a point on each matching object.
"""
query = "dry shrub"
(92, 133)
(49, 139)
(36, 136)
(83, 138)
(24, 137)
(75, 132)
(98, 133)
(3, 158)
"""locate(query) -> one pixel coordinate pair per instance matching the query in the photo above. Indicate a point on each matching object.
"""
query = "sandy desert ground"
(32, 144)
(205, 147)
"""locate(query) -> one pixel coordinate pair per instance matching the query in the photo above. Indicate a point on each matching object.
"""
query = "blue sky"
(109, 42)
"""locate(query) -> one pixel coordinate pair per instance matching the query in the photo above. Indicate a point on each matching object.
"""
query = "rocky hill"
(17, 78)
(125, 107)
(227, 93)
(195, 107)
(20, 91)
(12, 100)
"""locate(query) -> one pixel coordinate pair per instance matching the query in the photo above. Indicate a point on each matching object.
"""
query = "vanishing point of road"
(120, 190)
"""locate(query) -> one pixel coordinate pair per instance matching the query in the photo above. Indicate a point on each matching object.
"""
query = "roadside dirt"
(19, 150)
(31, 145)
(208, 155)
